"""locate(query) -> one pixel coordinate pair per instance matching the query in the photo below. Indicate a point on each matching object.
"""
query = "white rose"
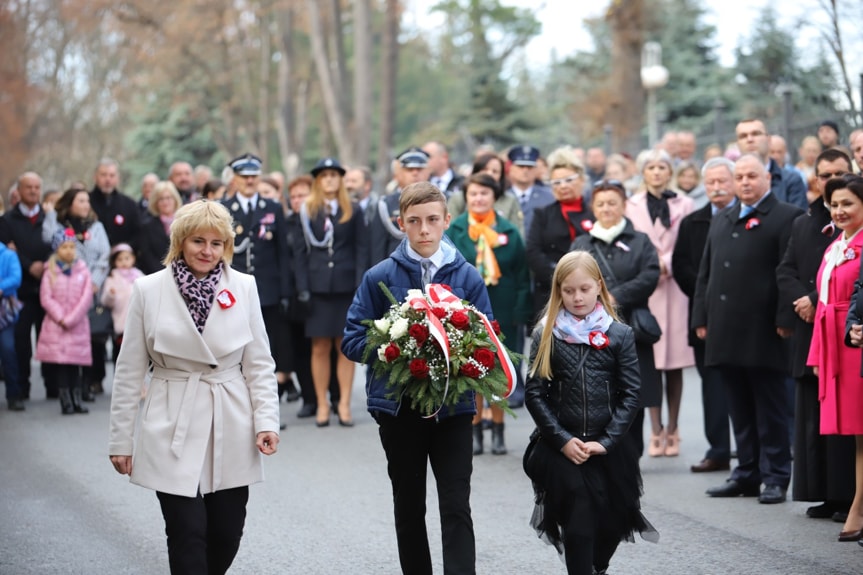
(405, 307)
(382, 325)
(412, 293)
(382, 355)
(399, 328)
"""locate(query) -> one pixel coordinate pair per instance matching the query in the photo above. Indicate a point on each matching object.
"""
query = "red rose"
(419, 332)
(439, 312)
(392, 352)
(470, 370)
(419, 368)
(485, 357)
(460, 319)
(495, 326)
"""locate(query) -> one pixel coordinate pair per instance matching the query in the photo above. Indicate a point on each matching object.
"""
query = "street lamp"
(653, 77)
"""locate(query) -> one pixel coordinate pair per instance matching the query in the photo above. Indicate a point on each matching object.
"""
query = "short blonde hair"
(158, 190)
(565, 157)
(196, 217)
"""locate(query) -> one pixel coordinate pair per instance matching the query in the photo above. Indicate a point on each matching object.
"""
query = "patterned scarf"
(573, 330)
(198, 294)
(481, 230)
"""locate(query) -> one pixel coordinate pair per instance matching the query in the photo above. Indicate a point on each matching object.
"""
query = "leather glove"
(303, 297)
(284, 306)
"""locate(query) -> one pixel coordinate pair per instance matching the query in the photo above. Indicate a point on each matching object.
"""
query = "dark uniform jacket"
(686, 258)
(27, 236)
(120, 215)
(384, 233)
(736, 295)
(152, 246)
(811, 234)
(595, 403)
(548, 241)
(261, 247)
(340, 269)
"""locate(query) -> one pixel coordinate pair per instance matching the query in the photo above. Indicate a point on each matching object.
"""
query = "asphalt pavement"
(325, 507)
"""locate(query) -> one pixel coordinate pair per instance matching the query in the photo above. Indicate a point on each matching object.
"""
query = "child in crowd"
(10, 281)
(409, 440)
(66, 294)
(117, 289)
(582, 391)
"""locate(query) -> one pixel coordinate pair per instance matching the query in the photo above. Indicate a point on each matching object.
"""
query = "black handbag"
(644, 325)
(101, 323)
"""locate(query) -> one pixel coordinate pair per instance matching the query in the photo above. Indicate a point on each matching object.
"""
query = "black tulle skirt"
(612, 482)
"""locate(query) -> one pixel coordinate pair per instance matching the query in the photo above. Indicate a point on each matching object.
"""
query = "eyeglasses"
(752, 134)
(566, 180)
(829, 176)
(600, 185)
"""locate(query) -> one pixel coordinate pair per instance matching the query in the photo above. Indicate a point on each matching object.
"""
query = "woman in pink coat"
(657, 212)
(66, 295)
(840, 385)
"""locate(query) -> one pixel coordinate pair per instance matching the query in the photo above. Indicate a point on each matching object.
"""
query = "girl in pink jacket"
(66, 294)
(117, 289)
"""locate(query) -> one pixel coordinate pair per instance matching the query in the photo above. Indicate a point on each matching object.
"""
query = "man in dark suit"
(119, 213)
(785, 182)
(384, 232)
(823, 464)
(522, 178)
(261, 250)
(718, 178)
(441, 173)
(737, 313)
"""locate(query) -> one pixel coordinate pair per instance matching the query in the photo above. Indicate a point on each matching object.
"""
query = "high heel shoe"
(322, 422)
(656, 447)
(672, 444)
(347, 421)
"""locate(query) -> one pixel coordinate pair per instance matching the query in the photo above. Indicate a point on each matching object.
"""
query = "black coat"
(120, 215)
(686, 258)
(384, 236)
(597, 402)
(634, 266)
(153, 246)
(548, 241)
(736, 295)
(796, 274)
(17, 228)
(261, 248)
(339, 272)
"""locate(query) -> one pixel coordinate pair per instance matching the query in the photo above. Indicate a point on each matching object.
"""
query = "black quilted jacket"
(596, 402)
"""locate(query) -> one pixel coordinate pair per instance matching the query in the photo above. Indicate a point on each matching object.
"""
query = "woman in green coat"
(495, 246)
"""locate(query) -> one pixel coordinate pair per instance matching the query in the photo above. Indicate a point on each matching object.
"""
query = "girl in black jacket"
(582, 392)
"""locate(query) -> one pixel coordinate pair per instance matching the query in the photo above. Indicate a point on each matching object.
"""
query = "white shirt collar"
(29, 212)
(247, 203)
(519, 193)
(437, 258)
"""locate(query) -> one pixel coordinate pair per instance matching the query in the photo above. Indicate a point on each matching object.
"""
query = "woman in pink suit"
(840, 385)
(657, 212)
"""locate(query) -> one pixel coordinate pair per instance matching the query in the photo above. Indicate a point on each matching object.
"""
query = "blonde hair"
(200, 216)
(565, 157)
(315, 201)
(577, 260)
(158, 190)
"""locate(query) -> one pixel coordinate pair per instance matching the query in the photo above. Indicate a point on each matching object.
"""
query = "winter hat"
(61, 236)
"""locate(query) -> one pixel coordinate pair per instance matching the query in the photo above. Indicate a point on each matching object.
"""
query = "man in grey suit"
(522, 177)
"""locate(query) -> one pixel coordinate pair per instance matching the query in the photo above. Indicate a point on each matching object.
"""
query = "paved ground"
(326, 508)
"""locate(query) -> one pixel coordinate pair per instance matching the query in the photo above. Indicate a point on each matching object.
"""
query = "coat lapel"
(175, 333)
(227, 329)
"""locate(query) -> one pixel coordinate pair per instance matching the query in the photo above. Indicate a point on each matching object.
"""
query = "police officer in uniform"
(262, 251)
(384, 231)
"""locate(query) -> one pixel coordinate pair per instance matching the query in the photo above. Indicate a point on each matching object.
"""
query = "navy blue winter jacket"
(400, 273)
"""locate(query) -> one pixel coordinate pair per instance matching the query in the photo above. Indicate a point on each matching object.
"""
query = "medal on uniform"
(268, 236)
(235, 206)
(239, 229)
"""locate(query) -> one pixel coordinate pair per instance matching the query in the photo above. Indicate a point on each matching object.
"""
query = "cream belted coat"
(210, 393)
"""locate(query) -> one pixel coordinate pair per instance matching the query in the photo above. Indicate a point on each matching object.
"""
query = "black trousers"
(204, 532)
(714, 405)
(758, 404)
(410, 443)
(31, 316)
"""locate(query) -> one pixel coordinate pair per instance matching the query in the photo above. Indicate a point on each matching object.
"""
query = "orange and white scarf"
(481, 231)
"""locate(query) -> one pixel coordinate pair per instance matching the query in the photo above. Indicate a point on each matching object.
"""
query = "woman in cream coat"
(211, 407)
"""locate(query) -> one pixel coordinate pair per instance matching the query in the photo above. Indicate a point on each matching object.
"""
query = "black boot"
(66, 407)
(87, 393)
(77, 406)
(477, 438)
(497, 445)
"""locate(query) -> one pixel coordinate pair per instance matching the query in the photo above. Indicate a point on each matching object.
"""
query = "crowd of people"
(736, 262)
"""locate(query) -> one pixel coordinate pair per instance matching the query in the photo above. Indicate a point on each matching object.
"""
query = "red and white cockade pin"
(622, 245)
(598, 339)
(502, 239)
(753, 223)
(849, 254)
(225, 299)
(586, 225)
(119, 219)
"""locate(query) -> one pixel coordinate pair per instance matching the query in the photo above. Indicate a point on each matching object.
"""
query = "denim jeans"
(10, 362)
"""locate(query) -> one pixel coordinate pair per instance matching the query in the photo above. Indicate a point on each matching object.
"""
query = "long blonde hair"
(315, 201)
(577, 260)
